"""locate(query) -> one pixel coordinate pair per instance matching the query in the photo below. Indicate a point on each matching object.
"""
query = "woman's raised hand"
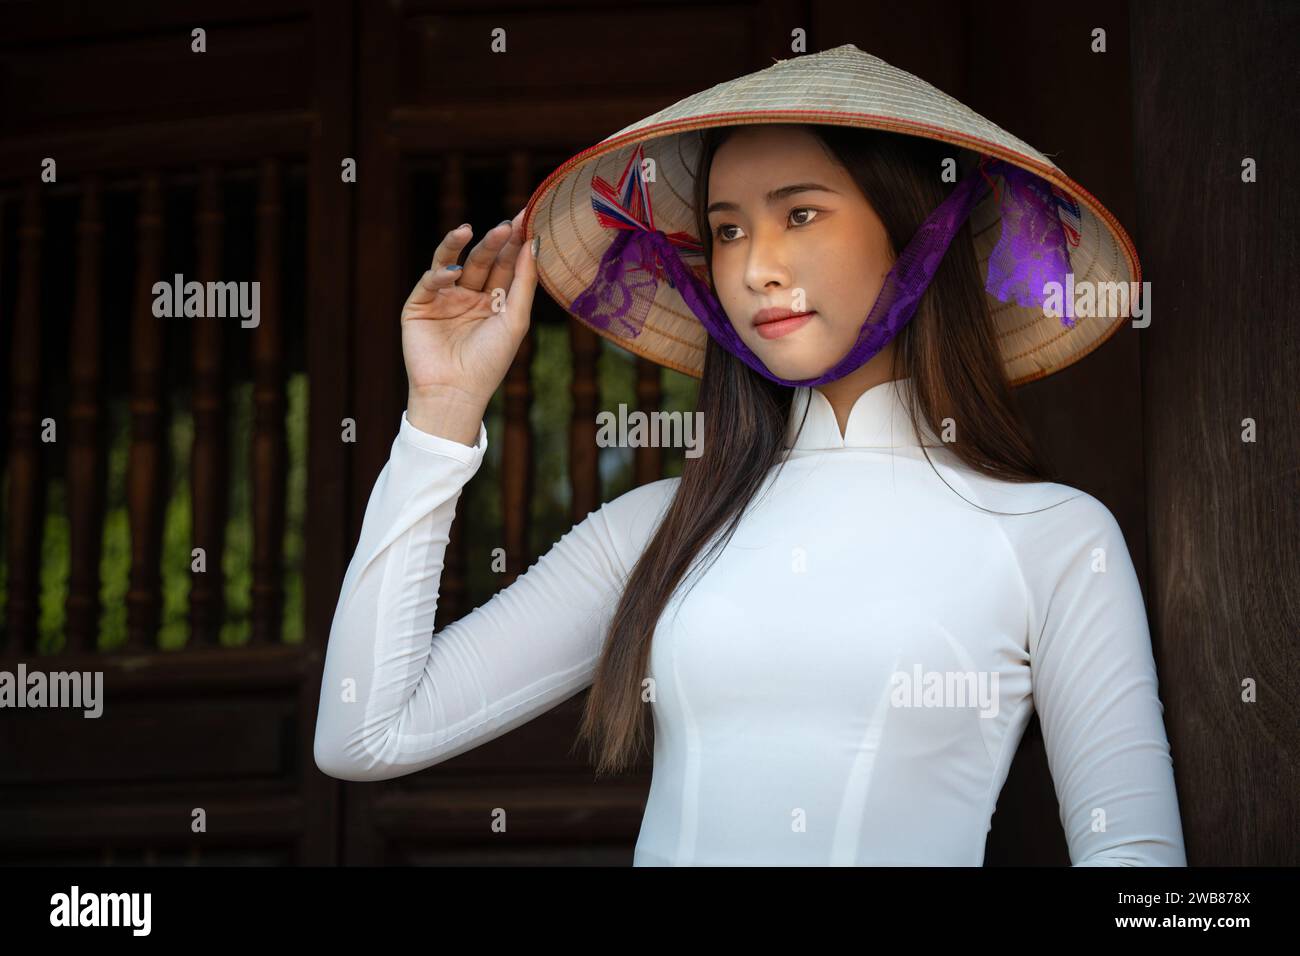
(462, 328)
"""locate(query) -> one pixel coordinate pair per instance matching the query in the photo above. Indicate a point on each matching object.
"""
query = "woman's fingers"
(483, 255)
(431, 282)
(503, 270)
(490, 265)
(448, 251)
(519, 300)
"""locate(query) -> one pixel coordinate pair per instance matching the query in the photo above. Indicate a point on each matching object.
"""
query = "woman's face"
(818, 250)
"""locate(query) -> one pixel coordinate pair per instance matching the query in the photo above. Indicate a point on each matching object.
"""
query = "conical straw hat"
(842, 86)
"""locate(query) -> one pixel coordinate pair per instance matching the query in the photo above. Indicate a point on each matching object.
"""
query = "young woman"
(840, 619)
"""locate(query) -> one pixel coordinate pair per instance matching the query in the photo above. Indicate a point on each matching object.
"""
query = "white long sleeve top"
(845, 685)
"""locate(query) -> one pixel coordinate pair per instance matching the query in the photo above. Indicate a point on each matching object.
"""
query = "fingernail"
(537, 244)
(463, 225)
(454, 268)
(504, 222)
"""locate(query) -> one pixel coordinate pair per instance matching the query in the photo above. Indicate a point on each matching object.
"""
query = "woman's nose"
(766, 265)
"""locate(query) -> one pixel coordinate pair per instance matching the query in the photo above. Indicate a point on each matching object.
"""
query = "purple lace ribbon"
(1030, 252)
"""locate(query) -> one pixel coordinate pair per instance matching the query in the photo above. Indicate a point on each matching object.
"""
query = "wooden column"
(86, 421)
(268, 460)
(330, 306)
(648, 462)
(26, 493)
(208, 462)
(376, 344)
(145, 487)
(330, 264)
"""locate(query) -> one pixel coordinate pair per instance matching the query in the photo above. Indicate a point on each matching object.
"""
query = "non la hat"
(619, 253)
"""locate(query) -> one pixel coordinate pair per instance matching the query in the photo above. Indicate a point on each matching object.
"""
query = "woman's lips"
(774, 330)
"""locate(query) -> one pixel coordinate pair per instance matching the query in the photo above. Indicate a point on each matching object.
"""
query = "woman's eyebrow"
(776, 194)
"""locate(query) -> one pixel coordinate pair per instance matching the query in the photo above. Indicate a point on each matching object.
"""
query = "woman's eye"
(718, 233)
(803, 209)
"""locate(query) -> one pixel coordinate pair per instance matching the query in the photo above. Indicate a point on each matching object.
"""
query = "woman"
(842, 615)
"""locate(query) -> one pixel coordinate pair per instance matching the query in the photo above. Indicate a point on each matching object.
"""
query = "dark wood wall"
(444, 131)
(217, 166)
(1223, 506)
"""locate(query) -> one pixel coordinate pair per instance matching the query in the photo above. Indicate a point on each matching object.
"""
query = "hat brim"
(850, 88)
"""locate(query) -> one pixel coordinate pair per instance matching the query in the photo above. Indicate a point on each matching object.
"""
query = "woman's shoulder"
(1061, 501)
(641, 506)
(1046, 520)
(623, 526)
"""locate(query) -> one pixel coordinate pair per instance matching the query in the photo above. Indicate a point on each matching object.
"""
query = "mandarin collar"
(878, 419)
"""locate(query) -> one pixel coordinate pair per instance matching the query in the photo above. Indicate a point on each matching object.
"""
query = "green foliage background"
(115, 561)
(480, 505)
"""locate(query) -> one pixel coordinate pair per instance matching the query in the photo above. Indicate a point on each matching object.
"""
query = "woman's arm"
(395, 697)
(1095, 690)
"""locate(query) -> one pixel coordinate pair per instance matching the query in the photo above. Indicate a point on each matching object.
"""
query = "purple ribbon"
(1030, 252)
